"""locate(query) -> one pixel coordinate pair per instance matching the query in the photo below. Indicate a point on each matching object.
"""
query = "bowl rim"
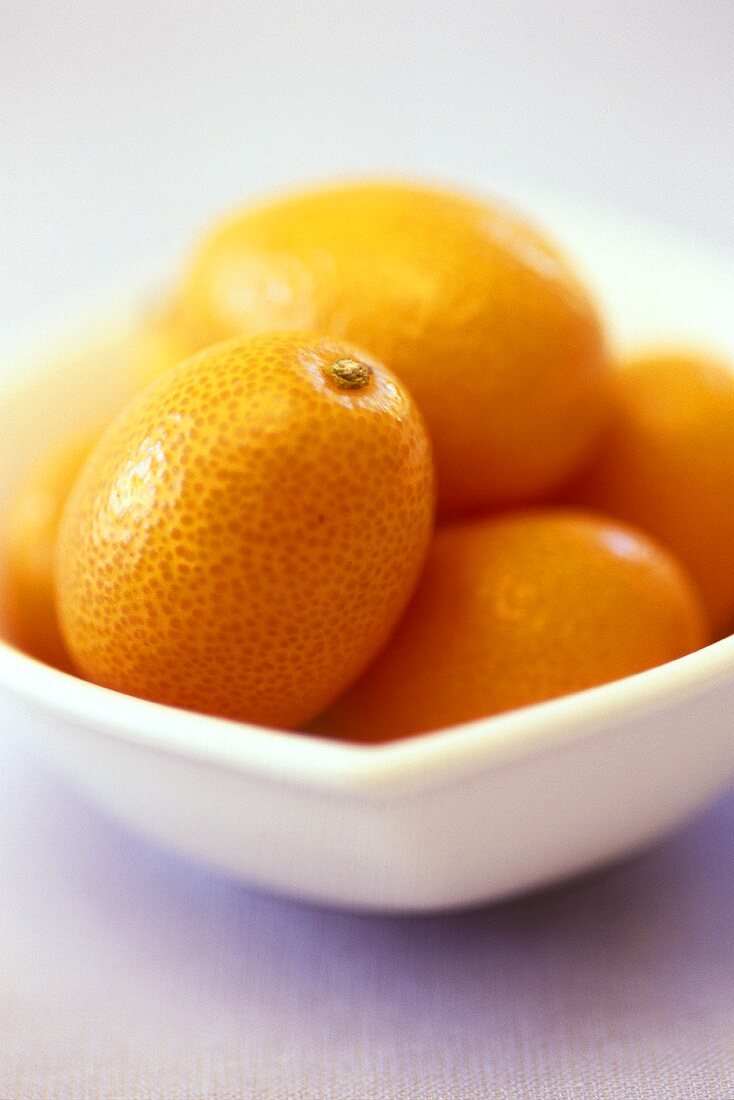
(437, 758)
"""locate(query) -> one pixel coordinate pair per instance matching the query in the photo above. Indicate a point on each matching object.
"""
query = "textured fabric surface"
(127, 973)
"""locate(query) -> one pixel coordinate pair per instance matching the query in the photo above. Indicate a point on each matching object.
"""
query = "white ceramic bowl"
(449, 819)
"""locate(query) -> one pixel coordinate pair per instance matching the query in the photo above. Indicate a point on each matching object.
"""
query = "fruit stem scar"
(349, 374)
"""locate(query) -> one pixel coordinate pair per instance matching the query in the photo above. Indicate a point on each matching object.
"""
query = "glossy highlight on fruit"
(666, 465)
(248, 531)
(30, 530)
(481, 317)
(516, 610)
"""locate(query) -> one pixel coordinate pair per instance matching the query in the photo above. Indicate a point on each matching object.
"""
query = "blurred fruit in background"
(30, 529)
(666, 464)
(475, 310)
(519, 609)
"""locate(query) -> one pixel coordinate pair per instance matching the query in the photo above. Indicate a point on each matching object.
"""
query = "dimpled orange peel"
(476, 312)
(666, 464)
(519, 609)
(247, 532)
(31, 526)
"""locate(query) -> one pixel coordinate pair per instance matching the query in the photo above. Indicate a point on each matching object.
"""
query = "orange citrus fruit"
(248, 531)
(476, 312)
(667, 465)
(518, 609)
(31, 525)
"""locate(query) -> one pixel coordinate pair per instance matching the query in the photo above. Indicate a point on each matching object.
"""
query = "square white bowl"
(447, 819)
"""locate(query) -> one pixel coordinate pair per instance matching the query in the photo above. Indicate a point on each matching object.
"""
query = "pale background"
(127, 973)
(124, 125)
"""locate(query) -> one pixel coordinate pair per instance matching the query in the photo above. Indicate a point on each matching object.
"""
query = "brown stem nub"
(349, 374)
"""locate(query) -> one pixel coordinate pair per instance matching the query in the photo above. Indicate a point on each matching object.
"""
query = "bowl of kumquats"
(380, 550)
